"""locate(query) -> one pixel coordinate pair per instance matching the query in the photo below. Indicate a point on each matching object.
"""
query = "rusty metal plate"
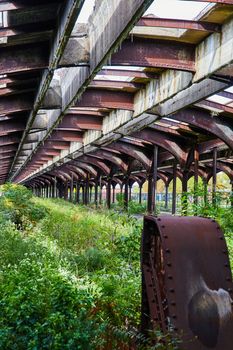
(197, 280)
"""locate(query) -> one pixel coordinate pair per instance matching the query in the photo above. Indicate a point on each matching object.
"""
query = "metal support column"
(196, 164)
(214, 201)
(96, 192)
(166, 197)
(108, 199)
(100, 194)
(174, 187)
(71, 188)
(66, 191)
(140, 194)
(126, 193)
(77, 193)
(130, 192)
(184, 192)
(152, 183)
(113, 193)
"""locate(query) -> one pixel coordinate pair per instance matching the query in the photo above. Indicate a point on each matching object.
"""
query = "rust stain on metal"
(186, 281)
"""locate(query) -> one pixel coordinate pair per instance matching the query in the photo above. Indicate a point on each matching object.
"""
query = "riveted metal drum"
(186, 281)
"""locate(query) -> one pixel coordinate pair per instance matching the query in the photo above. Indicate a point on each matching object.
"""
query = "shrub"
(16, 205)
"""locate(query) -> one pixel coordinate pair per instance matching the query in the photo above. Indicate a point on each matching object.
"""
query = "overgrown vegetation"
(70, 276)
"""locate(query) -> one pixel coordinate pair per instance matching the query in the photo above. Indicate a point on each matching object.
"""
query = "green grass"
(72, 280)
(69, 281)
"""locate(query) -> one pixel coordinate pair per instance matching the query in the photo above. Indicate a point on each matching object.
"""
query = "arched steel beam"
(61, 174)
(168, 142)
(92, 171)
(111, 157)
(132, 151)
(222, 167)
(163, 177)
(116, 180)
(39, 182)
(169, 174)
(220, 127)
(206, 146)
(101, 165)
(155, 53)
(46, 181)
(77, 170)
(48, 178)
(68, 173)
(133, 179)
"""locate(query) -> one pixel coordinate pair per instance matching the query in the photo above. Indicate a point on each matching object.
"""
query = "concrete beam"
(106, 33)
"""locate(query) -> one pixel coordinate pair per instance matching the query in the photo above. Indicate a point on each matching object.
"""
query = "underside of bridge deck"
(129, 98)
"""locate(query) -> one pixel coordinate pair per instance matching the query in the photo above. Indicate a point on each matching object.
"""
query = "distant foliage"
(16, 205)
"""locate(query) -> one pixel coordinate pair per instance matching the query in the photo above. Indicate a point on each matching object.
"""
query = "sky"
(161, 8)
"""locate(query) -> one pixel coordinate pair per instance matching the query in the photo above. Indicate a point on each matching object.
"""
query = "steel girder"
(155, 53)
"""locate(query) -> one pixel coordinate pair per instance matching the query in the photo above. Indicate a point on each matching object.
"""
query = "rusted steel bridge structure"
(132, 102)
(127, 98)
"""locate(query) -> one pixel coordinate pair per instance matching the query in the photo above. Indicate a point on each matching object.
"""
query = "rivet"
(175, 329)
(159, 219)
(169, 264)
(171, 290)
(163, 226)
(153, 300)
(174, 316)
(165, 236)
(170, 277)
(224, 251)
(226, 265)
(167, 250)
(173, 303)
(221, 237)
(228, 279)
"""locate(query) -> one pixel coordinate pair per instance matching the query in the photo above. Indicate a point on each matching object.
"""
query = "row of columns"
(59, 189)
